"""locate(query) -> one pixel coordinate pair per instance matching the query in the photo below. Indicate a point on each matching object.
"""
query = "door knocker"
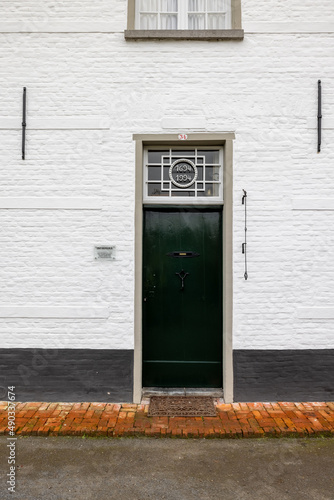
(182, 275)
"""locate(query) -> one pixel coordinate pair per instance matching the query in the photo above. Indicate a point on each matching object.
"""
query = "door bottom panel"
(194, 374)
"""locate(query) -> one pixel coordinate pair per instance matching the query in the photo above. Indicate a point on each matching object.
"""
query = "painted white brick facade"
(89, 90)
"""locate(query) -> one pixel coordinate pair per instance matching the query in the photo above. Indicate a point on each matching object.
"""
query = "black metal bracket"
(244, 245)
(24, 124)
(319, 115)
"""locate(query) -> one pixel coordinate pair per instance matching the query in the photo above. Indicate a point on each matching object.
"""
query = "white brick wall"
(58, 10)
(264, 88)
(287, 10)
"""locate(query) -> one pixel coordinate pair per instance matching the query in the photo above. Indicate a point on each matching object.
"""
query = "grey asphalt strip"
(173, 469)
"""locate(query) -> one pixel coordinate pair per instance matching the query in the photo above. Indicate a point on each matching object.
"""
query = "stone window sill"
(233, 34)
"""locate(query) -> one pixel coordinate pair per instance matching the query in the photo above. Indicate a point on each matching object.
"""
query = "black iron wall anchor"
(319, 115)
(244, 245)
(24, 124)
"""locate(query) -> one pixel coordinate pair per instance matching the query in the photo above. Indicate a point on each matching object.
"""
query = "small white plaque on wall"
(104, 252)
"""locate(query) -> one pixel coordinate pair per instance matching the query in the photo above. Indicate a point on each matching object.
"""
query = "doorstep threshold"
(182, 391)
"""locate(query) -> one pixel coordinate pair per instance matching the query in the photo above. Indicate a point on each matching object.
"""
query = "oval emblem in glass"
(183, 173)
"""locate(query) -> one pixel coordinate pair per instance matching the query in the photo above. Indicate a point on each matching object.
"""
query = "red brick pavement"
(233, 420)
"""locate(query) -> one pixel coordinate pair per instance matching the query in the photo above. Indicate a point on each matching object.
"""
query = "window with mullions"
(187, 174)
(183, 14)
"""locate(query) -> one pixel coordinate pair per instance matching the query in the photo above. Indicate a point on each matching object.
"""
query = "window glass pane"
(183, 154)
(210, 156)
(166, 173)
(196, 6)
(212, 174)
(209, 174)
(148, 21)
(149, 6)
(216, 5)
(183, 193)
(154, 173)
(168, 5)
(211, 190)
(216, 174)
(155, 156)
(196, 21)
(168, 21)
(216, 21)
(200, 173)
(155, 190)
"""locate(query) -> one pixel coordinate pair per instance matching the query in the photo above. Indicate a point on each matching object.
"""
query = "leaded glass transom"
(183, 173)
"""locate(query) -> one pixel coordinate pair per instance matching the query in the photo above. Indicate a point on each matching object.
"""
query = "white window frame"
(182, 15)
(183, 200)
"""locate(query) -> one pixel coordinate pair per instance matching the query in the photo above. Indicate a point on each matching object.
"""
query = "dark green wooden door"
(182, 324)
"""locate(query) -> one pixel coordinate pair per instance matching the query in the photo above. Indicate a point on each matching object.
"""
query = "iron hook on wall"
(244, 245)
(24, 124)
(319, 115)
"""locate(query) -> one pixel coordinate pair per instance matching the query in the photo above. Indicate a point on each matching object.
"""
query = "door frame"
(224, 140)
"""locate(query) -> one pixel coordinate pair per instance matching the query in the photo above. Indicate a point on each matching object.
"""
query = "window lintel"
(201, 139)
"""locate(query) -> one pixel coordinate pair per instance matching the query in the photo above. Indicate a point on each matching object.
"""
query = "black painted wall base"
(284, 375)
(80, 375)
(67, 375)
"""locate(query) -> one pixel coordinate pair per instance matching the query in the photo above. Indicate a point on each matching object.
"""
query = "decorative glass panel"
(193, 173)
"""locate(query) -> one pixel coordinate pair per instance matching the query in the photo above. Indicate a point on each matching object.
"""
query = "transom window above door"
(183, 14)
(186, 174)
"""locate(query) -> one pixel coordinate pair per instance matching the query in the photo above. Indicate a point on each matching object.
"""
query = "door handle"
(182, 275)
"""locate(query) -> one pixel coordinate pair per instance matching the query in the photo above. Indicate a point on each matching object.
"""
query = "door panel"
(182, 327)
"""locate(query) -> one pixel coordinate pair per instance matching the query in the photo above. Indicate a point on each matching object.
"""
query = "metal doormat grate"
(181, 406)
